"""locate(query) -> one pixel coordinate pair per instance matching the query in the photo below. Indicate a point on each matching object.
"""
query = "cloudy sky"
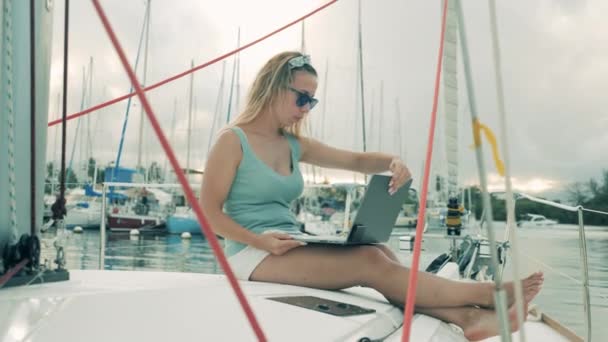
(554, 55)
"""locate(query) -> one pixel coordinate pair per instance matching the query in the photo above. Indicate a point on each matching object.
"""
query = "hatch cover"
(324, 305)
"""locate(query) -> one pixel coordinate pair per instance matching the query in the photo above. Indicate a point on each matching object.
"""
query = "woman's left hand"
(401, 174)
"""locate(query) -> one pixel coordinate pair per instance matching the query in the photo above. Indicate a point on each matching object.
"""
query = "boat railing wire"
(582, 249)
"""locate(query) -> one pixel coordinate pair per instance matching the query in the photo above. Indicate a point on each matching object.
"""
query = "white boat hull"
(83, 217)
(158, 306)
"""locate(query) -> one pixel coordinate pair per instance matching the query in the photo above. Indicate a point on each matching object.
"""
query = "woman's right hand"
(277, 243)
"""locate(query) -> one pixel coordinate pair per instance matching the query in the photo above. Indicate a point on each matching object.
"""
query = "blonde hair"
(274, 77)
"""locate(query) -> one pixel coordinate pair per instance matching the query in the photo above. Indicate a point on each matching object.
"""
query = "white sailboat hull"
(83, 217)
(156, 306)
(160, 306)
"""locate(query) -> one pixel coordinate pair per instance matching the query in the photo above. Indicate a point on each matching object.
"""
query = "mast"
(234, 71)
(83, 129)
(80, 119)
(309, 124)
(238, 73)
(324, 113)
(372, 123)
(141, 112)
(126, 120)
(89, 142)
(381, 116)
(399, 130)
(303, 37)
(218, 106)
(189, 120)
(321, 130)
(361, 84)
(171, 139)
(55, 147)
(450, 98)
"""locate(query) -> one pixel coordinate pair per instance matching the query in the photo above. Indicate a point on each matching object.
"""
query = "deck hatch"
(324, 305)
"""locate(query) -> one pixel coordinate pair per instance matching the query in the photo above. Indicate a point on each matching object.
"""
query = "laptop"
(373, 222)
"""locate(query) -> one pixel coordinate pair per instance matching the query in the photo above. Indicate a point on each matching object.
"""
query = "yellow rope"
(478, 127)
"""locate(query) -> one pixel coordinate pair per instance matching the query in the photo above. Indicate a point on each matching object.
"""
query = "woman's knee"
(372, 258)
(387, 251)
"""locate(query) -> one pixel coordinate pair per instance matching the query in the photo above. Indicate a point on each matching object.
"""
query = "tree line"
(592, 194)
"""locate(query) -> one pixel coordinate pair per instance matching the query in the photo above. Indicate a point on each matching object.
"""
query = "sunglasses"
(304, 99)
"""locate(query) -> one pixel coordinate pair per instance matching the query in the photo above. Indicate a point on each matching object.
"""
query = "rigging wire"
(519, 300)
(60, 202)
(202, 66)
(205, 227)
(413, 278)
(499, 291)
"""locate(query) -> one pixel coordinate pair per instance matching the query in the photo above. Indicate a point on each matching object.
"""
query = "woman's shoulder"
(303, 142)
(300, 139)
(227, 140)
(298, 143)
(226, 152)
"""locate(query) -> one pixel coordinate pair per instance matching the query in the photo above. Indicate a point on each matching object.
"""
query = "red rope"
(204, 65)
(217, 250)
(10, 273)
(413, 279)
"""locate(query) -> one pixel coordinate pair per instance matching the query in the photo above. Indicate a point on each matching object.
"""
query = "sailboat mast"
(189, 120)
(141, 112)
(450, 98)
(322, 119)
(126, 119)
(303, 37)
(238, 74)
(82, 136)
(381, 116)
(218, 106)
(55, 176)
(308, 127)
(171, 137)
(324, 113)
(76, 134)
(89, 142)
(399, 130)
(372, 122)
(234, 68)
(361, 87)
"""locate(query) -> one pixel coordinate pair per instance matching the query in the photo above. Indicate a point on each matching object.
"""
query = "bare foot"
(531, 287)
(482, 323)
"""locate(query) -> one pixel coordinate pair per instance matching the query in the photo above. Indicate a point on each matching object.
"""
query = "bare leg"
(387, 251)
(477, 323)
(531, 285)
(335, 268)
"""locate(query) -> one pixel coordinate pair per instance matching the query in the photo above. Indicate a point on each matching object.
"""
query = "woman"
(253, 174)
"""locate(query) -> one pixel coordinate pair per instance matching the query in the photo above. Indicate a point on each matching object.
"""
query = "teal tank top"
(260, 198)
